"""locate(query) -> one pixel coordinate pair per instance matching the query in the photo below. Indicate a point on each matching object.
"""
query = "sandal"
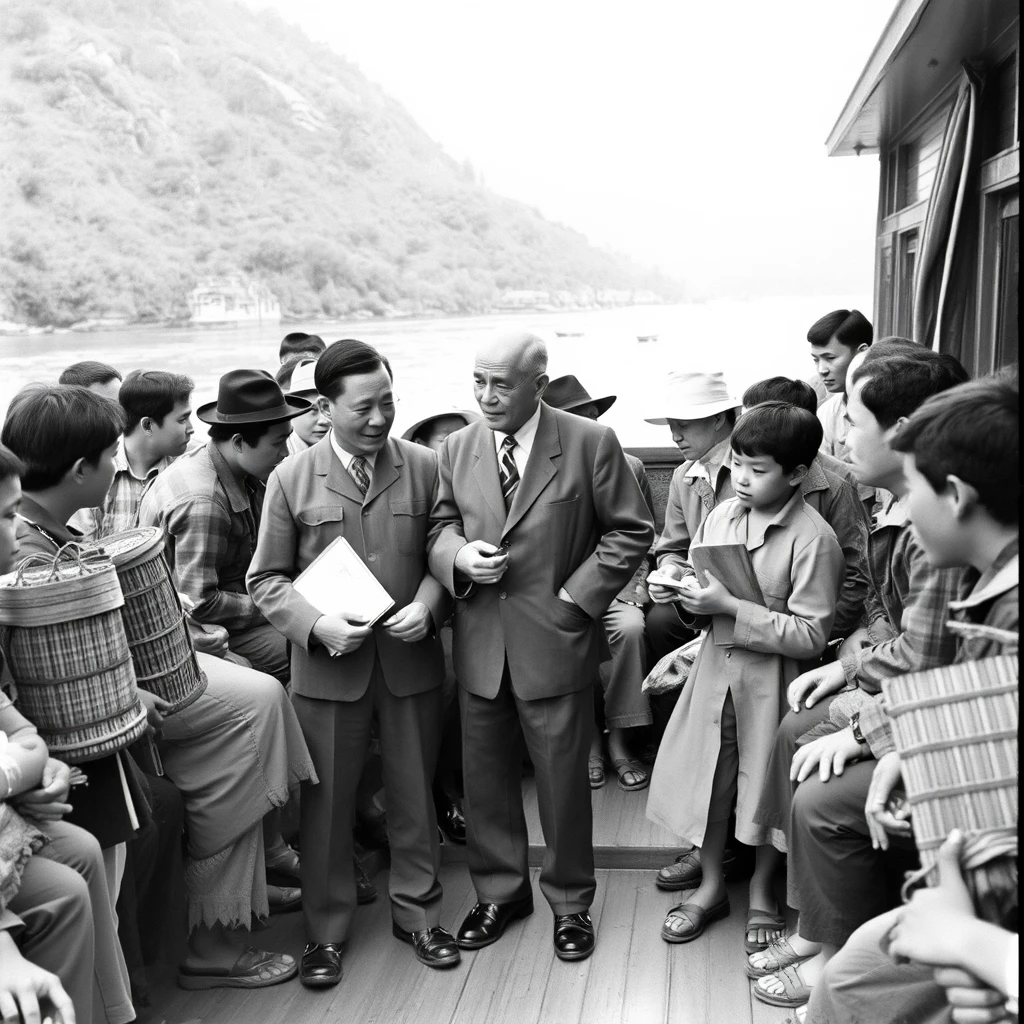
(285, 899)
(761, 920)
(595, 770)
(631, 766)
(795, 992)
(254, 968)
(780, 956)
(694, 915)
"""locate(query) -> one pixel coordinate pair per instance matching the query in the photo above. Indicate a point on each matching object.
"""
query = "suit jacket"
(578, 520)
(311, 500)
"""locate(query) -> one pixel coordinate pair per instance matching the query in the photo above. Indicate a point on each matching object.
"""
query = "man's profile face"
(872, 461)
(270, 450)
(508, 395)
(171, 437)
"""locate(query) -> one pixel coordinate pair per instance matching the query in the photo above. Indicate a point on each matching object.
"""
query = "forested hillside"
(145, 144)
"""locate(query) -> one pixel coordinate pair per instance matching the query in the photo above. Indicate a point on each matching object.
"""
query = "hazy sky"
(690, 136)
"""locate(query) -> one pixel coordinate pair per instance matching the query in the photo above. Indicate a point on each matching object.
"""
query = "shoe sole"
(716, 914)
(517, 915)
(201, 982)
(320, 982)
(575, 956)
(693, 883)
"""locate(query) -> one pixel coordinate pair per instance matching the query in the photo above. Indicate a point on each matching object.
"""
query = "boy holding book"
(751, 651)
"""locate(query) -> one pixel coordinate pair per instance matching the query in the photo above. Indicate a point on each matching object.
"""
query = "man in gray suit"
(539, 524)
(376, 493)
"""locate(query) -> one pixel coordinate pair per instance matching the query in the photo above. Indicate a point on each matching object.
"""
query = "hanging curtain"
(945, 206)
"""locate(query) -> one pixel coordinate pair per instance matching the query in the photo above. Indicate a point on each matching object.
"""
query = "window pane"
(1009, 260)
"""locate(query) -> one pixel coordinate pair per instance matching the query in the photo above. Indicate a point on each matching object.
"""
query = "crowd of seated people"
(857, 529)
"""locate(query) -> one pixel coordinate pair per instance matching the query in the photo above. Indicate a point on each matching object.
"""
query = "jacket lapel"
(539, 469)
(485, 471)
(336, 477)
(385, 470)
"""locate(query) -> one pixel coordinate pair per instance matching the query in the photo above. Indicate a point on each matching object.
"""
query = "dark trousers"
(835, 879)
(337, 734)
(557, 731)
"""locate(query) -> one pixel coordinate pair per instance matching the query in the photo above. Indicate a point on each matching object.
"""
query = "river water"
(432, 359)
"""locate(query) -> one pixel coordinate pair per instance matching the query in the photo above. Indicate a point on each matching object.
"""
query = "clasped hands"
(342, 634)
(48, 801)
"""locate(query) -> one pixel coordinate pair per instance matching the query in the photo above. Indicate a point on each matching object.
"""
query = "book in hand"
(337, 582)
(730, 564)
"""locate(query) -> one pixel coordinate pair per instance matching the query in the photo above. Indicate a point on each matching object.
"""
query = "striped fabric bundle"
(62, 637)
(955, 728)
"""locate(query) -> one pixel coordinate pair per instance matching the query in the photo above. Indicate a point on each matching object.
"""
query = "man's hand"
(409, 624)
(972, 1001)
(481, 562)
(882, 821)
(48, 802)
(209, 638)
(714, 599)
(660, 594)
(830, 754)
(814, 685)
(23, 984)
(156, 707)
(340, 635)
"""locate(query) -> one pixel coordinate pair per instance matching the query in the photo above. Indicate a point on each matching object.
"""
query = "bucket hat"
(302, 379)
(567, 393)
(465, 415)
(694, 396)
(251, 396)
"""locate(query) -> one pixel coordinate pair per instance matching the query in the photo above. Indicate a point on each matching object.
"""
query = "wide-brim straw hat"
(251, 396)
(465, 415)
(302, 379)
(694, 396)
(567, 393)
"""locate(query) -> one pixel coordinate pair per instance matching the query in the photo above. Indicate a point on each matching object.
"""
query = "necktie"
(357, 467)
(507, 471)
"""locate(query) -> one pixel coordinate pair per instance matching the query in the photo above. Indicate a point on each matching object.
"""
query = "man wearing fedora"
(376, 493)
(625, 706)
(209, 503)
(539, 524)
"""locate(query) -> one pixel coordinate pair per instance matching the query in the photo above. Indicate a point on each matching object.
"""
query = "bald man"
(539, 525)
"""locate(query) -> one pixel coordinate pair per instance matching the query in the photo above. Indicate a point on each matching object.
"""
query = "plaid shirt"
(210, 522)
(120, 508)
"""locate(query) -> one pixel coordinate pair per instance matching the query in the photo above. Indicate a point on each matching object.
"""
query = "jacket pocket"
(568, 505)
(321, 514)
(410, 523)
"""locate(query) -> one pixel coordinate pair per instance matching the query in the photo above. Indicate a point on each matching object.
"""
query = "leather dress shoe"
(452, 822)
(486, 922)
(320, 965)
(574, 936)
(433, 946)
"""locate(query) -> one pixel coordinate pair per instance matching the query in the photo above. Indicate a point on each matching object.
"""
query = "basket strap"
(903, 707)
(958, 742)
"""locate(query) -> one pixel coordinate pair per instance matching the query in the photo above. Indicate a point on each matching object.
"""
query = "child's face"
(937, 519)
(873, 462)
(10, 502)
(761, 483)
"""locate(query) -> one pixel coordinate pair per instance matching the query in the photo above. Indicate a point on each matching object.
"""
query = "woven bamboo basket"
(64, 642)
(955, 728)
(162, 651)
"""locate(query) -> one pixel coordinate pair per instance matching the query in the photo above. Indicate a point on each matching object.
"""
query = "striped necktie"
(508, 471)
(357, 467)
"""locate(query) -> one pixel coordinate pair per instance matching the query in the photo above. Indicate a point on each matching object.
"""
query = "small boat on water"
(646, 337)
(568, 334)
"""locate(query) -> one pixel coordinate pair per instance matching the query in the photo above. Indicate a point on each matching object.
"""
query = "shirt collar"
(1002, 575)
(37, 515)
(713, 462)
(815, 479)
(524, 435)
(890, 513)
(121, 465)
(346, 457)
(233, 488)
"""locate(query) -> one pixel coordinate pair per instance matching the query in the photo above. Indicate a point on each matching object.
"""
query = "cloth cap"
(694, 396)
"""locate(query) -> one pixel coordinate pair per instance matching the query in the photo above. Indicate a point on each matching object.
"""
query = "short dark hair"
(896, 385)
(346, 358)
(10, 464)
(298, 343)
(971, 431)
(152, 393)
(51, 426)
(890, 346)
(850, 327)
(87, 373)
(790, 434)
(251, 433)
(782, 389)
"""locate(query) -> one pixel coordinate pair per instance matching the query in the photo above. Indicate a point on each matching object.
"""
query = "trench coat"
(799, 567)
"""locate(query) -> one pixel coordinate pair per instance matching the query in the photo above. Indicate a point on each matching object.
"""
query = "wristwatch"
(855, 728)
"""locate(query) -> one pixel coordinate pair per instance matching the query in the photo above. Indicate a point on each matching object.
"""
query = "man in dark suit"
(539, 525)
(377, 493)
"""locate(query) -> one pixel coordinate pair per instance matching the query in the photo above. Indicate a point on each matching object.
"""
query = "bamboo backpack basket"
(62, 637)
(955, 728)
(154, 622)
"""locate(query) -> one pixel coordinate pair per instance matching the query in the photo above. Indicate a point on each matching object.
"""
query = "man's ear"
(146, 423)
(964, 495)
(798, 475)
(863, 347)
(77, 471)
(323, 405)
(237, 442)
(541, 384)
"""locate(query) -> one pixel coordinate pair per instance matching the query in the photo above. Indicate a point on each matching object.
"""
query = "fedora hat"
(694, 396)
(465, 415)
(567, 393)
(251, 396)
(302, 379)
